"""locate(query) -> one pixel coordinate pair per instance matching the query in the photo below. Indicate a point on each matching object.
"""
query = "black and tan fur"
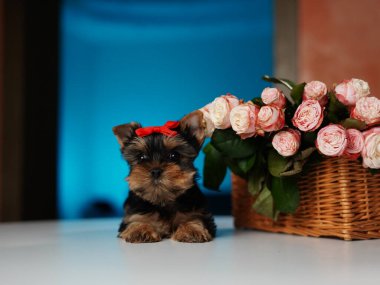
(164, 200)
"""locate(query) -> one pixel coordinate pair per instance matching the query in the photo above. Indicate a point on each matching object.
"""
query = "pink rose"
(243, 119)
(287, 142)
(308, 116)
(273, 97)
(220, 110)
(316, 90)
(209, 125)
(350, 91)
(270, 119)
(371, 149)
(332, 140)
(355, 143)
(367, 109)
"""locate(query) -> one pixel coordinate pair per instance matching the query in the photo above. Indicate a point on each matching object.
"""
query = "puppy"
(164, 200)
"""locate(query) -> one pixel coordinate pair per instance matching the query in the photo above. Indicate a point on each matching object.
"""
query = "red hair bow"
(165, 130)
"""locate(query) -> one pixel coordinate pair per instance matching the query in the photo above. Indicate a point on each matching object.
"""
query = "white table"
(88, 252)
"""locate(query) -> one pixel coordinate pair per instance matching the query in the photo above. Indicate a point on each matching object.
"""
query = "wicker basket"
(339, 198)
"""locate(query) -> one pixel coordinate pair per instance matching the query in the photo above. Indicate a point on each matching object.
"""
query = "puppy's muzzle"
(156, 172)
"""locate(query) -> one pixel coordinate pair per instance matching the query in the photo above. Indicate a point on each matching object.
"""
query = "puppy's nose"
(156, 172)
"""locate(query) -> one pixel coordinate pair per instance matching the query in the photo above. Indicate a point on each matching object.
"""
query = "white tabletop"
(88, 252)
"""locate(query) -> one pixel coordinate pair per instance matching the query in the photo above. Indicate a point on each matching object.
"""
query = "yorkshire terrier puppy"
(164, 200)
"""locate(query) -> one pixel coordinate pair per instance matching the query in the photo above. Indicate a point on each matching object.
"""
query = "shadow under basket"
(338, 198)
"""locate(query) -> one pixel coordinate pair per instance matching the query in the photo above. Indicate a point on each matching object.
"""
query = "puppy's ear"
(192, 126)
(125, 133)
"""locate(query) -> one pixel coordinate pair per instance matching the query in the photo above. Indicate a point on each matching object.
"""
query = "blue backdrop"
(148, 61)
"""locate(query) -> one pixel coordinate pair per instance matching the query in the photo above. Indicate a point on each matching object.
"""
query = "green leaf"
(297, 168)
(256, 181)
(285, 194)
(246, 164)
(277, 164)
(287, 83)
(306, 153)
(374, 171)
(264, 203)
(231, 145)
(214, 169)
(336, 110)
(350, 123)
(298, 161)
(233, 165)
(297, 93)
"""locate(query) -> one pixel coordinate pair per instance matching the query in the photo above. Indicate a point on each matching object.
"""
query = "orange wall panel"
(339, 40)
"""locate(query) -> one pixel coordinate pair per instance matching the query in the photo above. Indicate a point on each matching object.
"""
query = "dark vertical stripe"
(13, 109)
(41, 99)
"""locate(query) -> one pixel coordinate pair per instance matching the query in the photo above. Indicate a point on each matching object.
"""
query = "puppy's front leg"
(196, 226)
(138, 232)
(192, 231)
(138, 228)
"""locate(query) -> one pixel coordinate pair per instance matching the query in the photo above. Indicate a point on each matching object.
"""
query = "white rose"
(270, 119)
(332, 140)
(243, 119)
(361, 87)
(220, 110)
(371, 149)
(350, 91)
(308, 116)
(355, 143)
(316, 90)
(367, 109)
(273, 97)
(287, 142)
(209, 125)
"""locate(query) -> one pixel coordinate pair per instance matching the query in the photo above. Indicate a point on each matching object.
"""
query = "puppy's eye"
(142, 157)
(173, 156)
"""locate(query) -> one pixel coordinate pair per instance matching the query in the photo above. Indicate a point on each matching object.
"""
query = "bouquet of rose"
(270, 141)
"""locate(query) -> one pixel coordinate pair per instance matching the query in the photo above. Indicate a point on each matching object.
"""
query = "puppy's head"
(161, 166)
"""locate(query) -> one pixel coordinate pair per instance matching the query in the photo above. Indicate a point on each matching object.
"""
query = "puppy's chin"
(172, 183)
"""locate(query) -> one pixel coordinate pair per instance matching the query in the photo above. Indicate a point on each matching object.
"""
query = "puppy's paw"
(192, 232)
(139, 233)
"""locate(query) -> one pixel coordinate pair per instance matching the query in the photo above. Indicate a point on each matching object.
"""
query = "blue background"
(147, 61)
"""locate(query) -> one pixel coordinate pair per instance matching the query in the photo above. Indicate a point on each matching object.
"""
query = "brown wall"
(339, 39)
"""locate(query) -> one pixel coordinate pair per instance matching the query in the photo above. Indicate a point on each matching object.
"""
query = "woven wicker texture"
(339, 198)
